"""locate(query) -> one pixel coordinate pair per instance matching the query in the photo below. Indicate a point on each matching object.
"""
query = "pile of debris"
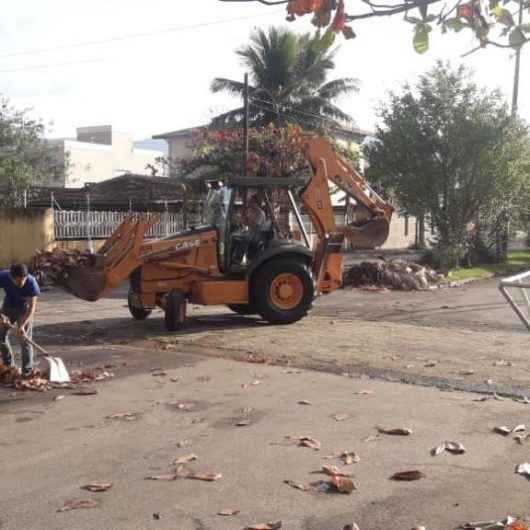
(10, 377)
(393, 274)
(51, 267)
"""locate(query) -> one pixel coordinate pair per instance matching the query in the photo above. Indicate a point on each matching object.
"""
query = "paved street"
(345, 361)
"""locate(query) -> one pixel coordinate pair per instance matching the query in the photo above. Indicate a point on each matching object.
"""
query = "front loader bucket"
(370, 235)
(87, 283)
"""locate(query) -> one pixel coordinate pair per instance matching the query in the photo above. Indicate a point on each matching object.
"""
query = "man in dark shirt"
(21, 292)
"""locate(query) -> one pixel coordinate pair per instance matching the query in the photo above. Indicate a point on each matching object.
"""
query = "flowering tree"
(273, 152)
(494, 23)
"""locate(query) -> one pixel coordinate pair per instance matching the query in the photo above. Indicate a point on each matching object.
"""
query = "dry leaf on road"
(122, 416)
(97, 486)
(296, 485)
(334, 470)
(228, 511)
(408, 475)
(363, 393)
(352, 526)
(519, 428)
(185, 459)
(455, 447)
(306, 441)
(396, 432)
(523, 469)
(78, 504)
(341, 417)
(438, 450)
(243, 423)
(505, 431)
(167, 476)
(265, 526)
(208, 477)
(58, 398)
(350, 458)
(304, 402)
(341, 484)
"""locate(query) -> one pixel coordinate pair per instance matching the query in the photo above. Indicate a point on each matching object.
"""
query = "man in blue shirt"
(21, 292)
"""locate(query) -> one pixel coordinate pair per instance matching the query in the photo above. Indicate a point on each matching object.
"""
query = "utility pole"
(515, 94)
(246, 104)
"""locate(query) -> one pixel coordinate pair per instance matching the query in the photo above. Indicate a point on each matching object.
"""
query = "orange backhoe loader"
(252, 272)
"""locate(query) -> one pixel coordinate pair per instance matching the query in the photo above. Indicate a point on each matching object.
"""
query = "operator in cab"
(20, 301)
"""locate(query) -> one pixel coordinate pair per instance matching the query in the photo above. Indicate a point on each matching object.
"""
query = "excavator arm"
(328, 166)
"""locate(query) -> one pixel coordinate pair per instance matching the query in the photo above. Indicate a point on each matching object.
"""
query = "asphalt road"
(355, 341)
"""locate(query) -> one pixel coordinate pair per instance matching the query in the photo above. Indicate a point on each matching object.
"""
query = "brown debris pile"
(51, 267)
(11, 378)
(393, 274)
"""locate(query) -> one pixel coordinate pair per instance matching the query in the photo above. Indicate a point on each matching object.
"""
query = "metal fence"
(85, 225)
(521, 283)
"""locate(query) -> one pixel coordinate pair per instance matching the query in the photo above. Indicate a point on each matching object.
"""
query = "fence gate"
(521, 283)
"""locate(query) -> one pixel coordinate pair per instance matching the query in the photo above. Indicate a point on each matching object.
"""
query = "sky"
(145, 67)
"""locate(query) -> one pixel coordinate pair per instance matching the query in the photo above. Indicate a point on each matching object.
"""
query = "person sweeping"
(20, 302)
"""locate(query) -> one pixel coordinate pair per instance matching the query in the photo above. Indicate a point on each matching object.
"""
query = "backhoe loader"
(271, 276)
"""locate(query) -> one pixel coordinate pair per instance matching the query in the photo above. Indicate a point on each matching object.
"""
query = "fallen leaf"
(372, 438)
(520, 438)
(523, 469)
(167, 476)
(253, 383)
(174, 379)
(466, 372)
(185, 459)
(296, 485)
(438, 450)
(455, 447)
(341, 484)
(208, 477)
(228, 511)
(335, 471)
(183, 443)
(97, 486)
(312, 443)
(187, 407)
(85, 392)
(159, 374)
(341, 417)
(419, 528)
(243, 423)
(502, 430)
(78, 504)
(519, 428)
(488, 525)
(363, 393)
(122, 416)
(408, 475)
(352, 526)
(304, 402)
(431, 364)
(265, 526)
(350, 458)
(58, 398)
(396, 432)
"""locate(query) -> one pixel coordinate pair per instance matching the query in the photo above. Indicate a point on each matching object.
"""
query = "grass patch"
(518, 261)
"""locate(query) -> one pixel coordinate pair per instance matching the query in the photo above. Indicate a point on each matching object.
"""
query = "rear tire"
(283, 291)
(138, 313)
(175, 310)
(242, 309)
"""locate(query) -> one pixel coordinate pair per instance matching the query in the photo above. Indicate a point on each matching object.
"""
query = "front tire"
(137, 312)
(283, 291)
(175, 310)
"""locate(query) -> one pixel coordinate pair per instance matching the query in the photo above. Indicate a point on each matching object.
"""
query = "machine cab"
(245, 213)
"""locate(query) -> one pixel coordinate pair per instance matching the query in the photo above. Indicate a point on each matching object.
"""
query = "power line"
(152, 33)
(44, 66)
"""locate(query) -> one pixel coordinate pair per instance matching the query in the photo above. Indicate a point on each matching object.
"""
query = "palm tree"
(288, 74)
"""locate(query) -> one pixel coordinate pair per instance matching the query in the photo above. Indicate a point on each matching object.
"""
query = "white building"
(99, 153)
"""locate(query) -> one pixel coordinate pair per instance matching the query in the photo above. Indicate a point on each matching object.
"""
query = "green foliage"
(449, 150)
(25, 157)
(288, 82)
